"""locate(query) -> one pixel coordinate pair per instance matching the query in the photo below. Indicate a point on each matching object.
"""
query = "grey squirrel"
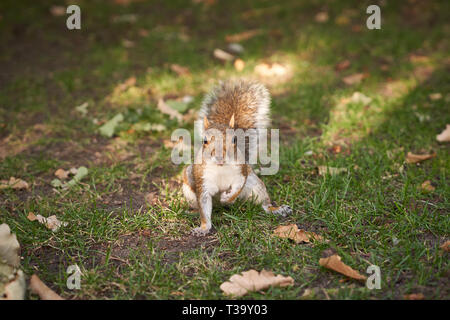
(233, 104)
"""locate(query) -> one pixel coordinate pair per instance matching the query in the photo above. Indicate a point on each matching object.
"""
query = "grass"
(130, 247)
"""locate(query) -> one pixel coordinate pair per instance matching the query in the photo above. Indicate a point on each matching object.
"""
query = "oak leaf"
(252, 280)
(298, 235)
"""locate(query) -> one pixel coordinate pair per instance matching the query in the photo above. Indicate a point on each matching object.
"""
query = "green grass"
(128, 248)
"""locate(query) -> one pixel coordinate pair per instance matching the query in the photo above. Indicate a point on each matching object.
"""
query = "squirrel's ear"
(232, 121)
(205, 122)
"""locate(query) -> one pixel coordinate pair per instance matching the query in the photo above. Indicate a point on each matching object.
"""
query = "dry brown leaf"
(238, 37)
(179, 70)
(252, 280)
(354, 78)
(239, 64)
(345, 64)
(166, 109)
(426, 186)
(334, 263)
(444, 136)
(323, 170)
(414, 158)
(446, 246)
(125, 85)
(414, 296)
(298, 235)
(435, 96)
(223, 55)
(57, 11)
(321, 17)
(31, 216)
(51, 222)
(271, 70)
(62, 174)
(13, 183)
(44, 292)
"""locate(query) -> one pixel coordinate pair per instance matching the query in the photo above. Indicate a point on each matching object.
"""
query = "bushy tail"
(249, 102)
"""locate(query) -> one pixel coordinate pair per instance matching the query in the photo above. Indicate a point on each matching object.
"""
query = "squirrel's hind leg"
(255, 189)
(188, 187)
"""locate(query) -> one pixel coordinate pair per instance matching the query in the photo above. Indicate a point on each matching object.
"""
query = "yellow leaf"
(426, 186)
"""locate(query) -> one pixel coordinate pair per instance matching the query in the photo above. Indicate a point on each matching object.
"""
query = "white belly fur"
(217, 179)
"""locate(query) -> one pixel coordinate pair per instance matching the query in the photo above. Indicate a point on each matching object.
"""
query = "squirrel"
(233, 104)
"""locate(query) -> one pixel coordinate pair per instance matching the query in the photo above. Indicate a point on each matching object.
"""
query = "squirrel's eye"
(205, 141)
(234, 139)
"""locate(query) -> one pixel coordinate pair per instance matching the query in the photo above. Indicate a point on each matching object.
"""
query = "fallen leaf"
(179, 70)
(354, 78)
(435, 96)
(414, 158)
(57, 11)
(51, 222)
(109, 127)
(128, 43)
(321, 17)
(143, 32)
(252, 280)
(324, 170)
(238, 37)
(426, 186)
(446, 246)
(271, 70)
(13, 183)
(223, 55)
(31, 216)
(166, 109)
(62, 174)
(239, 64)
(342, 20)
(44, 292)
(334, 263)
(81, 172)
(345, 64)
(414, 296)
(298, 235)
(444, 136)
(131, 81)
(82, 109)
(359, 97)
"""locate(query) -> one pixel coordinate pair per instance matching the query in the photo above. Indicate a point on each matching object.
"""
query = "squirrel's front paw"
(282, 211)
(200, 232)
